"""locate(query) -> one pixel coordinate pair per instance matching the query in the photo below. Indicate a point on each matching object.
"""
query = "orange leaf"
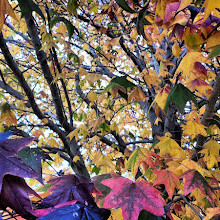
(169, 179)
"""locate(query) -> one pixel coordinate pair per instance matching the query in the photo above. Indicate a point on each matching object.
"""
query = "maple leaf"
(187, 63)
(141, 156)
(32, 157)
(10, 164)
(15, 194)
(78, 212)
(168, 146)
(209, 6)
(5, 8)
(180, 95)
(169, 179)
(5, 135)
(70, 187)
(133, 197)
(192, 129)
(211, 152)
(193, 180)
(7, 115)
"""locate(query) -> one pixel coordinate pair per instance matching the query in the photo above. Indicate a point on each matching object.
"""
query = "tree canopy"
(110, 109)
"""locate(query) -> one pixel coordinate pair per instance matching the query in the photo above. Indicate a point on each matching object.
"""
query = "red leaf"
(133, 197)
(169, 179)
(193, 180)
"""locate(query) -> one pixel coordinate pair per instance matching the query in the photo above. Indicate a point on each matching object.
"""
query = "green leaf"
(123, 4)
(28, 6)
(72, 6)
(71, 29)
(32, 157)
(145, 215)
(215, 51)
(122, 81)
(180, 95)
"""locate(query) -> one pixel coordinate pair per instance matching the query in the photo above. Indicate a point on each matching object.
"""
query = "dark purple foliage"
(78, 212)
(10, 164)
(70, 187)
(15, 194)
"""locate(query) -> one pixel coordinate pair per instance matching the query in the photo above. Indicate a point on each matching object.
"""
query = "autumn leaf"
(193, 180)
(10, 164)
(68, 188)
(78, 212)
(32, 157)
(209, 6)
(7, 116)
(169, 147)
(132, 197)
(5, 8)
(192, 129)
(141, 156)
(169, 179)
(187, 63)
(211, 153)
(15, 194)
(180, 95)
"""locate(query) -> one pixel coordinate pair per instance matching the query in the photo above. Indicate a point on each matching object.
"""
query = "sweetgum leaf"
(15, 194)
(5, 135)
(124, 5)
(70, 187)
(78, 212)
(10, 164)
(193, 180)
(133, 197)
(180, 95)
(71, 29)
(32, 157)
(28, 6)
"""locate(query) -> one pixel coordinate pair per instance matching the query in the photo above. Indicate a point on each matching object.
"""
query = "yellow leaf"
(192, 129)
(211, 153)
(92, 96)
(214, 40)
(86, 47)
(184, 4)
(116, 215)
(176, 50)
(114, 127)
(161, 97)
(169, 148)
(150, 77)
(210, 5)
(5, 8)
(52, 142)
(73, 134)
(187, 64)
(41, 142)
(76, 158)
(188, 164)
(45, 121)
(7, 116)
(137, 94)
(38, 133)
(92, 78)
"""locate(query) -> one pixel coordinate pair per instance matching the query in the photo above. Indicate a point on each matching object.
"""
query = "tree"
(113, 105)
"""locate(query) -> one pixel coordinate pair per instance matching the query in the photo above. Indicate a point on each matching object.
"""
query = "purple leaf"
(78, 212)
(15, 194)
(5, 135)
(10, 164)
(70, 187)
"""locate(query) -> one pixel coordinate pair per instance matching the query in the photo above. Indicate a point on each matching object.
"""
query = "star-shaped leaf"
(70, 187)
(180, 95)
(78, 212)
(169, 179)
(141, 156)
(10, 164)
(15, 194)
(133, 197)
(193, 180)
